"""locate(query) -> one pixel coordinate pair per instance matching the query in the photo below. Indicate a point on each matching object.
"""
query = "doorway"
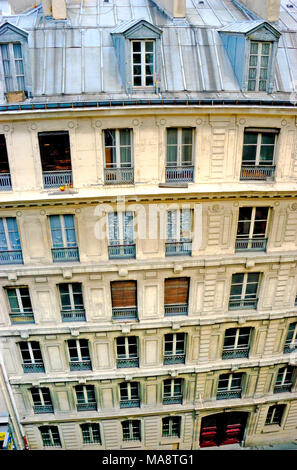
(222, 429)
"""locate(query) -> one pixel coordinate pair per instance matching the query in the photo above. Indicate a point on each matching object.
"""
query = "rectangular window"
(179, 147)
(171, 426)
(72, 304)
(20, 305)
(244, 291)
(284, 380)
(236, 343)
(85, 397)
(143, 63)
(13, 67)
(252, 229)
(79, 354)
(172, 392)
(55, 158)
(291, 339)
(5, 180)
(275, 414)
(127, 351)
(258, 66)
(259, 147)
(91, 433)
(42, 400)
(121, 235)
(118, 156)
(131, 430)
(64, 243)
(124, 299)
(229, 386)
(179, 233)
(31, 355)
(50, 436)
(174, 348)
(176, 294)
(129, 395)
(10, 245)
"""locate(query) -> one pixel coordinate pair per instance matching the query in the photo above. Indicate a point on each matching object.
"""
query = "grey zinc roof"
(75, 59)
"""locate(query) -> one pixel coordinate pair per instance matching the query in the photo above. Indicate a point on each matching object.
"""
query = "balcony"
(179, 174)
(174, 359)
(282, 388)
(73, 315)
(171, 310)
(80, 365)
(38, 409)
(61, 255)
(228, 394)
(33, 368)
(240, 353)
(55, 179)
(5, 182)
(133, 403)
(11, 257)
(177, 400)
(125, 313)
(119, 175)
(290, 347)
(86, 406)
(122, 251)
(251, 244)
(258, 173)
(243, 304)
(22, 317)
(127, 362)
(178, 248)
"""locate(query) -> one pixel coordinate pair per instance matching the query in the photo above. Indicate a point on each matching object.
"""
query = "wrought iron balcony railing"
(127, 362)
(22, 317)
(243, 304)
(177, 400)
(119, 175)
(33, 368)
(179, 174)
(174, 359)
(251, 244)
(282, 388)
(86, 406)
(261, 172)
(80, 365)
(125, 313)
(133, 403)
(5, 182)
(61, 255)
(73, 315)
(182, 248)
(122, 251)
(11, 257)
(171, 310)
(228, 394)
(235, 353)
(55, 179)
(38, 409)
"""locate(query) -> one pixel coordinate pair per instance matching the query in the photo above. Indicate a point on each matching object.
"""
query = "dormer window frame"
(11, 59)
(143, 63)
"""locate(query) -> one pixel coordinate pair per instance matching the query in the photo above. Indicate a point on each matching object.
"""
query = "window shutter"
(171, 225)
(176, 291)
(124, 294)
(13, 232)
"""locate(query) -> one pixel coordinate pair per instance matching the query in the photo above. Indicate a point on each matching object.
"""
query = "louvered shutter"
(124, 294)
(176, 291)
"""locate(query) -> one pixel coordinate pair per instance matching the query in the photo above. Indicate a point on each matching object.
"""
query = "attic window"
(13, 67)
(143, 63)
(258, 66)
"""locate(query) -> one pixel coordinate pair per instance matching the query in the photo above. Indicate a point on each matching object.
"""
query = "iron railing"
(174, 359)
(282, 388)
(179, 174)
(171, 310)
(73, 315)
(119, 175)
(122, 251)
(178, 248)
(22, 317)
(65, 254)
(228, 394)
(11, 257)
(125, 313)
(128, 362)
(177, 400)
(55, 179)
(33, 368)
(86, 406)
(251, 244)
(133, 403)
(38, 409)
(80, 365)
(243, 304)
(261, 172)
(235, 353)
(5, 182)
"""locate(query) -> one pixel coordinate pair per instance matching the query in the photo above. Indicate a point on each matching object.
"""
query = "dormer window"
(143, 60)
(13, 67)
(258, 66)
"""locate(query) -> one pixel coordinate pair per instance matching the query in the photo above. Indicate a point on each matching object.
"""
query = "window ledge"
(271, 428)
(131, 444)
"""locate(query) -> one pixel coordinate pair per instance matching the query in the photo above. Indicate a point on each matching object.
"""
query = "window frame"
(269, 421)
(78, 350)
(236, 339)
(130, 389)
(7, 232)
(252, 222)
(143, 64)
(180, 220)
(258, 145)
(231, 377)
(131, 423)
(171, 425)
(49, 430)
(19, 298)
(174, 344)
(85, 388)
(72, 306)
(179, 147)
(90, 432)
(40, 392)
(12, 66)
(244, 286)
(119, 221)
(63, 230)
(127, 347)
(293, 341)
(172, 392)
(259, 67)
(31, 352)
(118, 147)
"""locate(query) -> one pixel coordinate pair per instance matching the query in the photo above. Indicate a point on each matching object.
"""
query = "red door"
(222, 429)
(209, 431)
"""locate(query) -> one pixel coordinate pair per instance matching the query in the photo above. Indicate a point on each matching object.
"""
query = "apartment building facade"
(148, 232)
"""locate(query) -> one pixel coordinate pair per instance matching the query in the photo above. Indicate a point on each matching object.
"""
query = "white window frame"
(258, 66)
(12, 66)
(33, 360)
(252, 223)
(6, 231)
(85, 394)
(293, 342)
(78, 350)
(130, 429)
(63, 231)
(91, 435)
(129, 391)
(21, 308)
(118, 147)
(121, 225)
(180, 147)
(127, 347)
(229, 387)
(244, 285)
(235, 345)
(41, 397)
(71, 297)
(178, 232)
(259, 144)
(284, 375)
(143, 64)
(170, 426)
(172, 391)
(273, 414)
(52, 442)
(174, 344)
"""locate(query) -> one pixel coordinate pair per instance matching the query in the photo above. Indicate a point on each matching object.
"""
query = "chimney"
(269, 10)
(47, 7)
(175, 8)
(55, 8)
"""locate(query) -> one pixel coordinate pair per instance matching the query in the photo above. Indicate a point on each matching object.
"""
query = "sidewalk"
(287, 446)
